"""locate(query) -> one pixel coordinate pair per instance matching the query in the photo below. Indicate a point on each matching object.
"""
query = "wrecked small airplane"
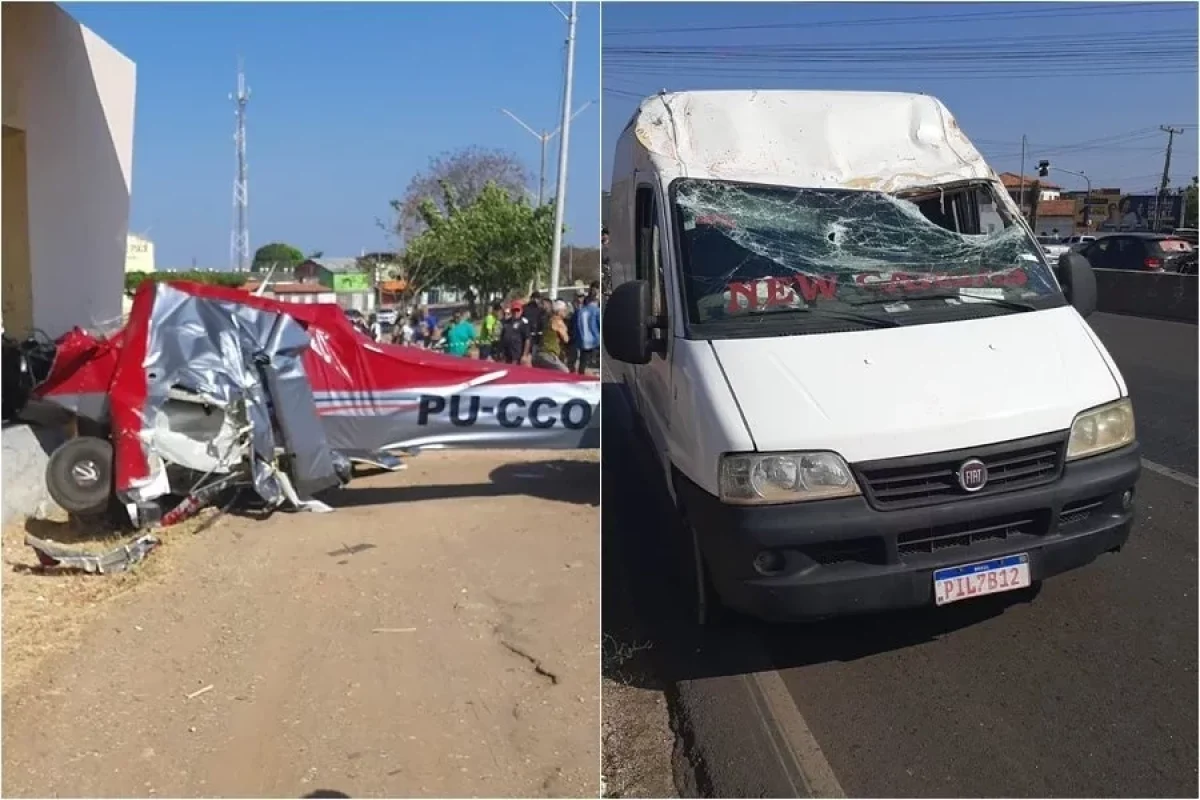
(209, 389)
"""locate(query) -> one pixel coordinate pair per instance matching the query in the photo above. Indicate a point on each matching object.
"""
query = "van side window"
(649, 264)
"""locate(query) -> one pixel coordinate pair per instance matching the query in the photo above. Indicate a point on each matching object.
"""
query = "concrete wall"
(16, 281)
(1048, 225)
(1144, 294)
(71, 95)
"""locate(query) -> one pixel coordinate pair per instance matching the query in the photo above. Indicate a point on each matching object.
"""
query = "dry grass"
(47, 613)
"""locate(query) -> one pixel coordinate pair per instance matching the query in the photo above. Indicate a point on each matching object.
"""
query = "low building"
(139, 254)
(1056, 217)
(1013, 183)
(68, 111)
(293, 292)
(350, 282)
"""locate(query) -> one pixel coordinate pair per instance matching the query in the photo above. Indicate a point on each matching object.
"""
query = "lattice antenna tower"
(239, 247)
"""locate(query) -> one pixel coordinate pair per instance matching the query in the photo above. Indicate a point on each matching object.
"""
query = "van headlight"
(769, 478)
(1099, 430)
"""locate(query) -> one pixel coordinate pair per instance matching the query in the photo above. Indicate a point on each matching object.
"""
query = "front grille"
(966, 534)
(917, 481)
(855, 551)
(1078, 512)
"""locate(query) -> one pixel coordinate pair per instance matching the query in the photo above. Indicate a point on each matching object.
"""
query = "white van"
(866, 385)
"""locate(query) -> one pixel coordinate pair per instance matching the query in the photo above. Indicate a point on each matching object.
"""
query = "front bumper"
(843, 556)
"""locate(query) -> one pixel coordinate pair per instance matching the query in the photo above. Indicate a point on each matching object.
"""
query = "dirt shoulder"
(436, 635)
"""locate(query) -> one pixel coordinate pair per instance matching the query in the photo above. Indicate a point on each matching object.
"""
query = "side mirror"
(1078, 282)
(626, 325)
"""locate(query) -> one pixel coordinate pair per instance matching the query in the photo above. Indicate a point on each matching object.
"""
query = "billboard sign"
(1137, 212)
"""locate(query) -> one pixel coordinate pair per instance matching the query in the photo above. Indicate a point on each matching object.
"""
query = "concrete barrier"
(26, 449)
(1165, 295)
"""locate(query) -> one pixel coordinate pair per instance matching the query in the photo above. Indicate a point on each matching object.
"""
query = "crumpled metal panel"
(218, 349)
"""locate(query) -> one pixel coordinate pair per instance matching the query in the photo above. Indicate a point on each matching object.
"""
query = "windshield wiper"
(849, 316)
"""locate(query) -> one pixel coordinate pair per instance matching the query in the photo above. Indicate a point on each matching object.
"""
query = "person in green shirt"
(489, 333)
(461, 335)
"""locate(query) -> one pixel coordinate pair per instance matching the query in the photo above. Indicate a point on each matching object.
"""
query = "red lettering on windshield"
(773, 292)
(778, 293)
(746, 291)
(811, 287)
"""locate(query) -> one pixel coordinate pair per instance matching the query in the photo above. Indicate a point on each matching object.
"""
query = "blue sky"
(349, 101)
(1083, 103)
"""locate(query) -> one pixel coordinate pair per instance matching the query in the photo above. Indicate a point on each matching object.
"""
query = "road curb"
(794, 740)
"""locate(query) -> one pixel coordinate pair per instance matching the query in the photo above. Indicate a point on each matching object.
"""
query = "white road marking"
(1167, 472)
(806, 754)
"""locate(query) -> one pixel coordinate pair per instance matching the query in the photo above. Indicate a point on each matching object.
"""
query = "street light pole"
(1087, 201)
(560, 191)
(543, 139)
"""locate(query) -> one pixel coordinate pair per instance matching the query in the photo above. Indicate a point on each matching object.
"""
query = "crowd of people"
(542, 332)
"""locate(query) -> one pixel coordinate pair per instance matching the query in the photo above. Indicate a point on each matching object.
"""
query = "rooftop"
(1012, 180)
(1056, 208)
(337, 264)
(287, 288)
(881, 141)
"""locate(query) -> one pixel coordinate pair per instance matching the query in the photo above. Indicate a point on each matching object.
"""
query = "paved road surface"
(1089, 689)
(1158, 360)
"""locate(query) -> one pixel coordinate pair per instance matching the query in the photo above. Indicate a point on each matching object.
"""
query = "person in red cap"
(514, 337)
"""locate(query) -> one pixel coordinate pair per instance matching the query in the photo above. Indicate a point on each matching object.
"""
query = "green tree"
(278, 254)
(1191, 200)
(491, 244)
(466, 172)
(231, 279)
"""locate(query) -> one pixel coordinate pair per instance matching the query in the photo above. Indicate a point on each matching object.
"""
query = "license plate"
(952, 584)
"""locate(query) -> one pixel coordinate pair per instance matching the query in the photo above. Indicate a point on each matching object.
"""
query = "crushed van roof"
(881, 141)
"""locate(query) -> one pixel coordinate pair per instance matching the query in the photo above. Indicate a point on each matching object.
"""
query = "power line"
(1038, 44)
(1077, 9)
(892, 75)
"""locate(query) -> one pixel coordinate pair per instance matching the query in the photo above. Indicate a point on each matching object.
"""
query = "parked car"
(1143, 252)
(1053, 247)
(1077, 242)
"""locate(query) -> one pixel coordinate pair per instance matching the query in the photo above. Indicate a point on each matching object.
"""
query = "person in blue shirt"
(587, 333)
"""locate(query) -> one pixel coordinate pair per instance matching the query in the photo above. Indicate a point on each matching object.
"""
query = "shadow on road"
(650, 637)
(552, 479)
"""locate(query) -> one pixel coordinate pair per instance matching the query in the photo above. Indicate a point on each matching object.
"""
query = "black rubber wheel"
(79, 475)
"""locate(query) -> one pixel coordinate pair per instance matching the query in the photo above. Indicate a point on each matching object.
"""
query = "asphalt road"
(1088, 689)
(1158, 361)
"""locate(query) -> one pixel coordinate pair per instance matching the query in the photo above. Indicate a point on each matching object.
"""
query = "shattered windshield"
(751, 250)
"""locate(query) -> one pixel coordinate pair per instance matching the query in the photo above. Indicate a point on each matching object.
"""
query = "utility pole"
(1021, 194)
(543, 138)
(239, 247)
(1166, 176)
(560, 191)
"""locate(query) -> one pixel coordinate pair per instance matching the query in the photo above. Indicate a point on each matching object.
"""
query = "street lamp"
(1044, 168)
(544, 138)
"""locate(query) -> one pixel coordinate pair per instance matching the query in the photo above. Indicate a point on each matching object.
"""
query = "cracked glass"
(749, 250)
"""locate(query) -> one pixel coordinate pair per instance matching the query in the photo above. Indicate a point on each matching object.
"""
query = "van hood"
(922, 389)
